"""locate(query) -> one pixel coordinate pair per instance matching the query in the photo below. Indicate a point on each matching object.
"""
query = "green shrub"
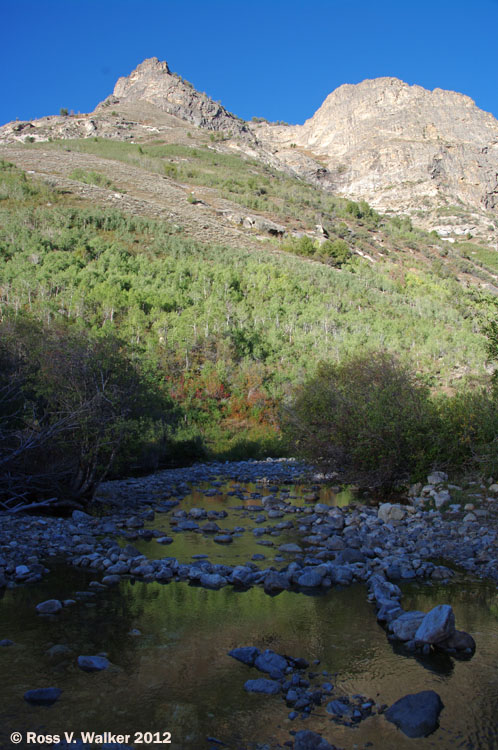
(367, 417)
(72, 407)
(91, 178)
(337, 251)
(468, 430)
(171, 170)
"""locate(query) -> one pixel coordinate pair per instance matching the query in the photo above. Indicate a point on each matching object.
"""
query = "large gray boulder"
(417, 714)
(383, 591)
(437, 625)
(389, 513)
(245, 654)
(405, 626)
(241, 576)
(459, 642)
(49, 607)
(311, 578)
(276, 582)
(212, 581)
(272, 663)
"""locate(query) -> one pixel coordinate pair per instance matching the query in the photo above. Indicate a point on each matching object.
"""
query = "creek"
(170, 671)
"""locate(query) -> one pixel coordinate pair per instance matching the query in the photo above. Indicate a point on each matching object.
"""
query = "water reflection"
(176, 675)
(240, 511)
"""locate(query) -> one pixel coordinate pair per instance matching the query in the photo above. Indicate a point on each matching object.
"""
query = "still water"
(176, 676)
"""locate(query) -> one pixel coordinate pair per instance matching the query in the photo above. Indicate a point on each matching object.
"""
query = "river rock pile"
(286, 677)
(416, 715)
(419, 631)
(333, 546)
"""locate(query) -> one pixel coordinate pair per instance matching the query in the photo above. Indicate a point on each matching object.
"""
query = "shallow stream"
(176, 675)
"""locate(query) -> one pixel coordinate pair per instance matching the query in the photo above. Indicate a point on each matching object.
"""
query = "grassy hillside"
(231, 329)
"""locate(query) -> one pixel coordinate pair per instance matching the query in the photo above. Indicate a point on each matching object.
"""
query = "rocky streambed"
(263, 534)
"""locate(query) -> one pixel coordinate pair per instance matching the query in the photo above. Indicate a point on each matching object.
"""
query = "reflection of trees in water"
(472, 601)
(177, 674)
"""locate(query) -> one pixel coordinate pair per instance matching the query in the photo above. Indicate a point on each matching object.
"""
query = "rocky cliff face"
(153, 82)
(398, 146)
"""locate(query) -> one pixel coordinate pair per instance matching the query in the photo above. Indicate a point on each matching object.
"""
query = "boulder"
(212, 581)
(340, 574)
(306, 740)
(339, 708)
(389, 513)
(187, 526)
(437, 625)
(389, 612)
(111, 580)
(164, 539)
(384, 591)
(441, 498)
(276, 582)
(59, 651)
(311, 578)
(437, 477)
(43, 696)
(417, 714)
(350, 555)
(272, 663)
(334, 543)
(241, 576)
(92, 663)
(80, 517)
(290, 548)
(459, 641)
(404, 627)
(223, 539)
(49, 607)
(245, 654)
(262, 685)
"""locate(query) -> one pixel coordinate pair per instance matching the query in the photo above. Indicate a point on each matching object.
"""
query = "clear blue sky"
(272, 58)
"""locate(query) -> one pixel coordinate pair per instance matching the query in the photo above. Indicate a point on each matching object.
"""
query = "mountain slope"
(433, 154)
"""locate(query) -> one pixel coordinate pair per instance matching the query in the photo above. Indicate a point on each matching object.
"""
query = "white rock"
(436, 477)
(441, 498)
(388, 512)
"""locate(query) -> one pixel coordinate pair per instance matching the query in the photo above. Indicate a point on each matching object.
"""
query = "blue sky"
(274, 58)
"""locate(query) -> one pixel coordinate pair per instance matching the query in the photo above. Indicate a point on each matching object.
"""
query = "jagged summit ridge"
(154, 83)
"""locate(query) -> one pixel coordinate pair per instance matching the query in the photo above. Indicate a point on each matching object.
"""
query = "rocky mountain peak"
(400, 147)
(153, 83)
(150, 70)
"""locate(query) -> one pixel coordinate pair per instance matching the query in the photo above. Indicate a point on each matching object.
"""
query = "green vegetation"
(367, 417)
(227, 333)
(73, 407)
(373, 421)
(91, 177)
